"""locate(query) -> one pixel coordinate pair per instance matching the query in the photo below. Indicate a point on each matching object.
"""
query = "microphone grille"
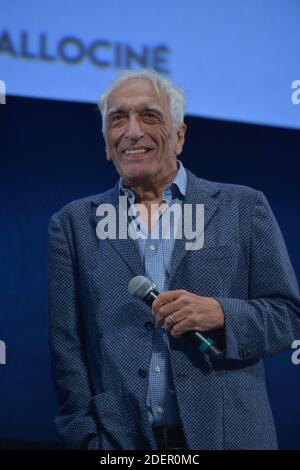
(139, 286)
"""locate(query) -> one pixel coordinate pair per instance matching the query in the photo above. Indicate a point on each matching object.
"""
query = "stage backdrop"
(52, 153)
(237, 60)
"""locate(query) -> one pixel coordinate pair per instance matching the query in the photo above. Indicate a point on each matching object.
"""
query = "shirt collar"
(177, 187)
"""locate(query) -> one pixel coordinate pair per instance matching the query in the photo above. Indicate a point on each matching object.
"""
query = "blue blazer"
(101, 337)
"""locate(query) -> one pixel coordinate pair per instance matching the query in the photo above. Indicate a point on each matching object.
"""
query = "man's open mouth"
(135, 153)
(138, 151)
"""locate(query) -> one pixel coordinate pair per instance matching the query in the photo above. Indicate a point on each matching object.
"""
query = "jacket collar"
(197, 191)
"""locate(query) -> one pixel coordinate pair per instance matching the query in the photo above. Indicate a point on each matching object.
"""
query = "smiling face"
(140, 137)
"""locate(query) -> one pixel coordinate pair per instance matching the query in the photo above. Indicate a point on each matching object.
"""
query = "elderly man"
(129, 377)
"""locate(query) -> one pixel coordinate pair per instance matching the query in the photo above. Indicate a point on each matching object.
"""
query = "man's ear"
(107, 152)
(180, 138)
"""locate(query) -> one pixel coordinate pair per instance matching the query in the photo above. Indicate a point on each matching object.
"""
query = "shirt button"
(152, 247)
(160, 409)
(157, 369)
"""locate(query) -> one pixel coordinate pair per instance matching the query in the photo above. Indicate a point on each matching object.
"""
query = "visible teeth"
(135, 152)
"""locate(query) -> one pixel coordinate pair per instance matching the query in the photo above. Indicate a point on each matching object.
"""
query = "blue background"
(52, 153)
(236, 59)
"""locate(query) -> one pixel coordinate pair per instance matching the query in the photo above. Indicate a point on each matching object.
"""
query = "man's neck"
(151, 192)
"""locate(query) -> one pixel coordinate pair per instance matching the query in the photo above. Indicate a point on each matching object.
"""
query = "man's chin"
(138, 177)
(138, 170)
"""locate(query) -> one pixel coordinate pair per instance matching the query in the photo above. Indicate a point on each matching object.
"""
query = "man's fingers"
(180, 328)
(173, 319)
(167, 309)
(165, 298)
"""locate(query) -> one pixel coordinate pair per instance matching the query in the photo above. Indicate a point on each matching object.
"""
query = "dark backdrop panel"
(52, 153)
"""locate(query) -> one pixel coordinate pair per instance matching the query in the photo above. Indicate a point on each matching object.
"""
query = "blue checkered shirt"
(156, 255)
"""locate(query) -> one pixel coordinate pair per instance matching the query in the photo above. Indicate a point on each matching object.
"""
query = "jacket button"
(244, 353)
(142, 373)
(149, 325)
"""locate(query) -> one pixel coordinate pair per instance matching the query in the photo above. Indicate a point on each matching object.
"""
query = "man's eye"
(150, 115)
(116, 120)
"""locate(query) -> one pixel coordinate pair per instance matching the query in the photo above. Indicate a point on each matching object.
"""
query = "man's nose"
(133, 129)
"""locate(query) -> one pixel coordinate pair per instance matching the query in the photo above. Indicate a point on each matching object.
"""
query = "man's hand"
(180, 311)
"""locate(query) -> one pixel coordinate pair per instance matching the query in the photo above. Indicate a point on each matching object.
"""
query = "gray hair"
(160, 84)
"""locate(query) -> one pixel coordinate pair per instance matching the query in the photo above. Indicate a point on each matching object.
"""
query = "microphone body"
(204, 344)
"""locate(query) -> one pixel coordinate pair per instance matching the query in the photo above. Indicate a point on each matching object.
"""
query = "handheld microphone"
(142, 288)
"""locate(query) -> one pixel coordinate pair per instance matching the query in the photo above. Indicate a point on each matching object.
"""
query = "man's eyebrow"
(115, 109)
(156, 109)
(147, 107)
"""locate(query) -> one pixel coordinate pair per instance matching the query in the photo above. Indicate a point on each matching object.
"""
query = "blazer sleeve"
(74, 421)
(268, 321)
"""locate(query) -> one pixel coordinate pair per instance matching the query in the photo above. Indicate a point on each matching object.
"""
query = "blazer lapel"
(127, 248)
(201, 192)
(198, 191)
